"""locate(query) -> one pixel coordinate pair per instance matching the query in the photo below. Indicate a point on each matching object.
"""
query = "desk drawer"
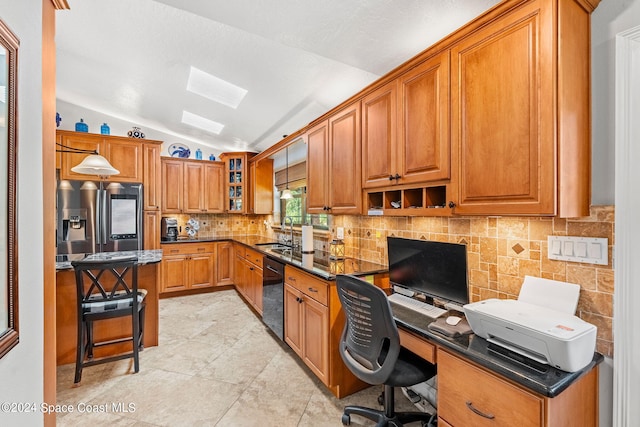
(418, 345)
(471, 396)
(307, 284)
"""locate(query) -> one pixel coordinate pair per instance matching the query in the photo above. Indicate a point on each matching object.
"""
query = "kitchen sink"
(282, 249)
(275, 247)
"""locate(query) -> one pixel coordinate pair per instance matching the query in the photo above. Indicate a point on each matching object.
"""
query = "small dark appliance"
(168, 229)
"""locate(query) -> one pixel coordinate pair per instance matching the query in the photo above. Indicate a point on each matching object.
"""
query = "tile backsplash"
(501, 251)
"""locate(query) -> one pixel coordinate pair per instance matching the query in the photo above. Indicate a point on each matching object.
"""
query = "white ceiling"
(129, 61)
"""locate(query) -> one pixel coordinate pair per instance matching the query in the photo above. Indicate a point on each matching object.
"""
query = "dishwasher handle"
(272, 269)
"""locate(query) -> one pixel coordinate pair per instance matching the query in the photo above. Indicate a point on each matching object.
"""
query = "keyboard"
(417, 306)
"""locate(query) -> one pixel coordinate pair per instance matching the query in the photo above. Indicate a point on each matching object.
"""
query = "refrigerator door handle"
(101, 208)
(96, 229)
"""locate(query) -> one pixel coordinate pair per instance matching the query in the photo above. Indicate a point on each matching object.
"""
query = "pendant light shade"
(95, 164)
(286, 193)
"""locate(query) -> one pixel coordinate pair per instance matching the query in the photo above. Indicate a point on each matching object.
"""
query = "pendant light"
(93, 164)
(286, 193)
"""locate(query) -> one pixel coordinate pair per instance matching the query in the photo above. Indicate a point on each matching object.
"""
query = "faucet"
(290, 228)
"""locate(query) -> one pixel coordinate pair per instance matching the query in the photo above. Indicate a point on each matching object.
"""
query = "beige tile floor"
(216, 365)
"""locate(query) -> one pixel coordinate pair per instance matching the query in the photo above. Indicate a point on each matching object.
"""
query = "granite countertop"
(317, 263)
(541, 378)
(63, 262)
(249, 240)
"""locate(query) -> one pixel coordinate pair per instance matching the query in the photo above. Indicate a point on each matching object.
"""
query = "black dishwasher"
(273, 296)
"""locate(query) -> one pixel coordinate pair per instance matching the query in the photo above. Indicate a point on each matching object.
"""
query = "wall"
(609, 18)
(21, 369)
(72, 113)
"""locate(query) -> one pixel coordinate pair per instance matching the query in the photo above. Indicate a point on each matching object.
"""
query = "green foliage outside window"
(296, 209)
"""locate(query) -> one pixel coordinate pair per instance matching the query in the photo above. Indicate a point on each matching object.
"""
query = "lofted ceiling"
(129, 62)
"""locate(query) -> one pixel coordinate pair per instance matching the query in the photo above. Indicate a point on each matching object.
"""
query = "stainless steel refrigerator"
(96, 216)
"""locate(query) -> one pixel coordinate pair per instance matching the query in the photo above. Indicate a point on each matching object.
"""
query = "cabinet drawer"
(471, 396)
(254, 257)
(187, 248)
(308, 285)
(418, 345)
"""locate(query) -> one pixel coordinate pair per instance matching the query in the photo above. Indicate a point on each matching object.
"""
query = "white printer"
(540, 324)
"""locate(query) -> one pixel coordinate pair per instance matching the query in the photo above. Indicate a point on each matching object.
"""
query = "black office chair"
(370, 347)
(106, 290)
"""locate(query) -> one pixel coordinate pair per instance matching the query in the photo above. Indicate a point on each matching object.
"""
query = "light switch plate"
(590, 250)
(340, 233)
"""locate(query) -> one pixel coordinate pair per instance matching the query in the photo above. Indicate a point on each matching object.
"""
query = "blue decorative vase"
(58, 119)
(81, 126)
(212, 157)
(104, 129)
(198, 154)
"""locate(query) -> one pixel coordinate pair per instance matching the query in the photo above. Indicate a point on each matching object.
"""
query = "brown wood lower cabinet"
(469, 395)
(224, 266)
(307, 330)
(187, 266)
(313, 326)
(247, 266)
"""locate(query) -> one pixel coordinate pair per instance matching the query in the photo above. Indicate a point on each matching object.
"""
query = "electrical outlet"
(340, 233)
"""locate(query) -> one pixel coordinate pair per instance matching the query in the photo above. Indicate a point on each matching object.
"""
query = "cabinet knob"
(397, 177)
(452, 205)
(391, 178)
(313, 290)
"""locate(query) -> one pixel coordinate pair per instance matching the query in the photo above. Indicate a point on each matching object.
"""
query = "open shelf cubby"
(416, 201)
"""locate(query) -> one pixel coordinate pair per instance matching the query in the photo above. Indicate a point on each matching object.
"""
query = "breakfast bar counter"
(66, 313)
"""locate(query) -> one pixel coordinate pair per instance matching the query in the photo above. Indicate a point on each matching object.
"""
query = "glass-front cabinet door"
(237, 180)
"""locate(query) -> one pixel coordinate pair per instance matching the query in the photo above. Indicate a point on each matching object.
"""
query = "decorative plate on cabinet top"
(179, 150)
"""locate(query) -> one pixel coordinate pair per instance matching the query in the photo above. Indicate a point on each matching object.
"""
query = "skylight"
(201, 123)
(214, 88)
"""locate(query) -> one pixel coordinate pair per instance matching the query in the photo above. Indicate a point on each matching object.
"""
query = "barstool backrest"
(107, 285)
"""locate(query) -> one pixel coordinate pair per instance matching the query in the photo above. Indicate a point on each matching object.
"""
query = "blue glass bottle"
(104, 129)
(81, 126)
(198, 154)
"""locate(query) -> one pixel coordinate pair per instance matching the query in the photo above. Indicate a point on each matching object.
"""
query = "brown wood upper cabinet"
(334, 164)
(124, 154)
(261, 187)
(237, 181)
(405, 127)
(152, 177)
(192, 186)
(521, 113)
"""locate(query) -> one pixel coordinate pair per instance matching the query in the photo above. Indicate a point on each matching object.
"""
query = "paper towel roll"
(307, 238)
(307, 261)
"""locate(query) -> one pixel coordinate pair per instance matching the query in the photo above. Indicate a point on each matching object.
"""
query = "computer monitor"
(438, 270)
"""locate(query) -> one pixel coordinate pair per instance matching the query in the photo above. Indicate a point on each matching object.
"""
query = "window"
(296, 209)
